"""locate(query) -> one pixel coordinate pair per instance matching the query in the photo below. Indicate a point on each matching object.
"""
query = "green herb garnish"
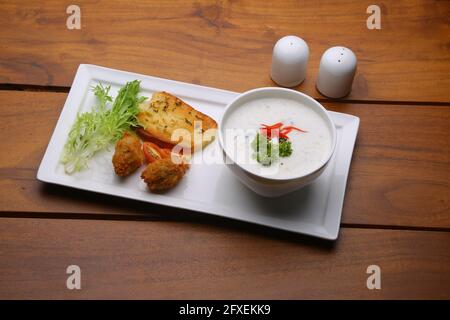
(95, 130)
(267, 151)
(285, 148)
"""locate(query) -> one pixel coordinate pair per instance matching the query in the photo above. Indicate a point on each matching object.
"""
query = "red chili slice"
(290, 128)
(283, 131)
(274, 126)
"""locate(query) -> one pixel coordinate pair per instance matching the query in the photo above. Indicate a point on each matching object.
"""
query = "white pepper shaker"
(336, 72)
(289, 61)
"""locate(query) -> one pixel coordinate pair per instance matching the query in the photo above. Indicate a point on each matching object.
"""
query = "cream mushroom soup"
(244, 128)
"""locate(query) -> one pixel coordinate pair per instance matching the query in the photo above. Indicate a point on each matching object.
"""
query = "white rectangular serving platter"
(207, 187)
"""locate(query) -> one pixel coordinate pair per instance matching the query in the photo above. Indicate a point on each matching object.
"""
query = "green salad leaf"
(97, 129)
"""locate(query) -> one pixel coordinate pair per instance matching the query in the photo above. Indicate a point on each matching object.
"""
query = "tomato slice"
(151, 152)
(166, 153)
(148, 137)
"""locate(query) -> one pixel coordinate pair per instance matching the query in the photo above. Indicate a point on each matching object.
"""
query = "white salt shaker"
(336, 72)
(289, 60)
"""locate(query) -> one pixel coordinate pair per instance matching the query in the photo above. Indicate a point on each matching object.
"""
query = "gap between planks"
(193, 217)
(47, 88)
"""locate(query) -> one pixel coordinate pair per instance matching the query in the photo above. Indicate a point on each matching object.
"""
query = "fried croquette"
(128, 156)
(163, 174)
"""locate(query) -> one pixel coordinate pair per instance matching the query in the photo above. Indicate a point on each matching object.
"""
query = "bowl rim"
(312, 102)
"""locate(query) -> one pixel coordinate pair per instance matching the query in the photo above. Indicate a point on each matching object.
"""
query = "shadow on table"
(95, 206)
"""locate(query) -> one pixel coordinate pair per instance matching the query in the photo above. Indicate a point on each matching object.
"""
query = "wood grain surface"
(175, 260)
(397, 206)
(399, 176)
(228, 44)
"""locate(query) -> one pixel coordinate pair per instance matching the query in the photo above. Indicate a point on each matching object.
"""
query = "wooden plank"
(400, 172)
(228, 44)
(129, 259)
(399, 175)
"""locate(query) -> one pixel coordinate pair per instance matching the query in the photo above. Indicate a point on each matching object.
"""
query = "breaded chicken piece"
(128, 156)
(163, 174)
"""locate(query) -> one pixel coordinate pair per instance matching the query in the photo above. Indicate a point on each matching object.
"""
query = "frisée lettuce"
(97, 129)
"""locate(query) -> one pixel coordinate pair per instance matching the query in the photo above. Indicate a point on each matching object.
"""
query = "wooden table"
(397, 207)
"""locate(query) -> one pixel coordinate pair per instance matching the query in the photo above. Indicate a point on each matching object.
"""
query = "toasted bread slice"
(165, 113)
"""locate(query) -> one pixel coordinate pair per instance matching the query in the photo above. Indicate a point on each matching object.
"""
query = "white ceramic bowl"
(267, 186)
